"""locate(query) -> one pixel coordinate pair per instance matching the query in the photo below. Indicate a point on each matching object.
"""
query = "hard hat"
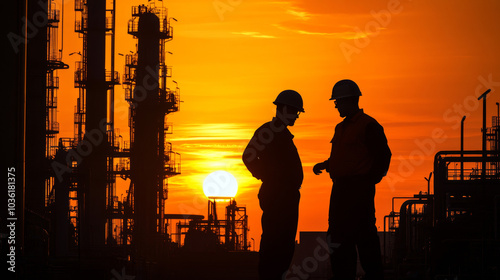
(345, 88)
(291, 98)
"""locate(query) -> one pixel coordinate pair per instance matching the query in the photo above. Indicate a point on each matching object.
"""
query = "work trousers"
(279, 226)
(351, 227)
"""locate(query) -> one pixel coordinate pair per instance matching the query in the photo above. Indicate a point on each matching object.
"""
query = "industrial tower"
(152, 160)
(134, 226)
(93, 183)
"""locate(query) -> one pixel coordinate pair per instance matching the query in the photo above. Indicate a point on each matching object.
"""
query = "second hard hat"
(290, 98)
(345, 88)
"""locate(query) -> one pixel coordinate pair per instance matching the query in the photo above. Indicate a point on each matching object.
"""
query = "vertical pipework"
(94, 164)
(145, 163)
(35, 109)
(462, 148)
(483, 96)
(497, 144)
(483, 175)
(111, 138)
(112, 89)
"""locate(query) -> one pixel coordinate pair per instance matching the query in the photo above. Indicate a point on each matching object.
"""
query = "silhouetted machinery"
(227, 234)
(455, 232)
(195, 234)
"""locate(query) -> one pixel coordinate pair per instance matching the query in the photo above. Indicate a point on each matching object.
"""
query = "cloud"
(338, 7)
(299, 14)
(333, 19)
(318, 30)
(254, 34)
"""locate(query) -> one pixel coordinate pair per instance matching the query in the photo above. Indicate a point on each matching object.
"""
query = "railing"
(166, 31)
(53, 16)
(79, 118)
(165, 71)
(51, 101)
(168, 127)
(165, 194)
(81, 25)
(131, 59)
(454, 167)
(52, 127)
(80, 78)
(52, 82)
(129, 78)
(170, 100)
(128, 93)
(126, 146)
(109, 23)
(138, 10)
(80, 74)
(133, 26)
(79, 5)
(392, 222)
(172, 161)
(466, 174)
(113, 78)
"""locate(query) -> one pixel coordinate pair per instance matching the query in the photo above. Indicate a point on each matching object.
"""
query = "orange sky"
(419, 64)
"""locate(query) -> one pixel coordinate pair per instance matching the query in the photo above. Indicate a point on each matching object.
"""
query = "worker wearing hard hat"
(359, 159)
(271, 156)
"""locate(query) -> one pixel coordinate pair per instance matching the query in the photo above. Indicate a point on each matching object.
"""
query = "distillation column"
(93, 167)
(145, 161)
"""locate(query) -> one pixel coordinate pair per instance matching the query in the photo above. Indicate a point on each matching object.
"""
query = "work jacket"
(359, 148)
(272, 157)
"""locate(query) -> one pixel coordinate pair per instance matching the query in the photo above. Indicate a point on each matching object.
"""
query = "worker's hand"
(318, 167)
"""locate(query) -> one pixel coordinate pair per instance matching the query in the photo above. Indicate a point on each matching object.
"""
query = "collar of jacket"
(278, 126)
(354, 117)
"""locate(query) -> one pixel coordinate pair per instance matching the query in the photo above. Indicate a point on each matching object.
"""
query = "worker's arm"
(376, 142)
(252, 160)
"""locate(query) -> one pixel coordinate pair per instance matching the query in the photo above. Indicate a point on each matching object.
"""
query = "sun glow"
(220, 184)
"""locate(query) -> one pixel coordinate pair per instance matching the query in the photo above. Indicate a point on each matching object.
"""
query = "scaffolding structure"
(54, 63)
(152, 160)
(88, 153)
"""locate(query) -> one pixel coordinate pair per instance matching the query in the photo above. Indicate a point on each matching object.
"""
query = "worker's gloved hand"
(320, 166)
(317, 169)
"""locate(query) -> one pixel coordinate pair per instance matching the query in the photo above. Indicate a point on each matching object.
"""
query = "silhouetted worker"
(272, 157)
(359, 159)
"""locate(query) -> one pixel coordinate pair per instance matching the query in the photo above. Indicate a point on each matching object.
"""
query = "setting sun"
(220, 184)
